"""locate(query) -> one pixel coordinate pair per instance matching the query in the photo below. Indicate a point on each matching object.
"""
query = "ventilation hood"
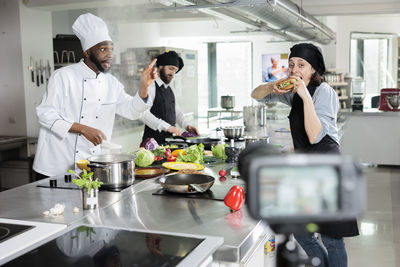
(280, 18)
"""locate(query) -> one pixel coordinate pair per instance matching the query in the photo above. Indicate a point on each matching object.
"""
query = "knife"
(31, 69)
(41, 72)
(37, 74)
(48, 71)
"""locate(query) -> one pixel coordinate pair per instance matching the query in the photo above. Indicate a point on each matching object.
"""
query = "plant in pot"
(90, 188)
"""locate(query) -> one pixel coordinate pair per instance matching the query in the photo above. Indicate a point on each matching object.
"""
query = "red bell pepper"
(234, 199)
(171, 158)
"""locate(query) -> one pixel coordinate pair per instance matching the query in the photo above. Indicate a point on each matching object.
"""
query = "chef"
(161, 119)
(78, 109)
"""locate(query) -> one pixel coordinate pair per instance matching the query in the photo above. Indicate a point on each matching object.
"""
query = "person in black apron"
(313, 127)
(164, 114)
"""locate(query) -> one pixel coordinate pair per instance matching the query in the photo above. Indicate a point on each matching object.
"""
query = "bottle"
(269, 247)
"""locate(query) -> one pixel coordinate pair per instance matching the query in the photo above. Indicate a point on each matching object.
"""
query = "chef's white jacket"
(156, 123)
(76, 94)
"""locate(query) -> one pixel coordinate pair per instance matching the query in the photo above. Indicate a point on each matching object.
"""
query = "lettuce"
(219, 151)
(144, 158)
(194, 153)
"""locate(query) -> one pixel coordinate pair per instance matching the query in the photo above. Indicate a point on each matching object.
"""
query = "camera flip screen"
(298, 190)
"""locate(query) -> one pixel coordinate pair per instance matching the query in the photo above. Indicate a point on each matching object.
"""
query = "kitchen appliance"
(216, 192)
(17, 236)
(254, 117)
(233, 132)
(357, 88)
(95, 246)
(227, 102)
(186, 183)
(116, 171)
(389, 100)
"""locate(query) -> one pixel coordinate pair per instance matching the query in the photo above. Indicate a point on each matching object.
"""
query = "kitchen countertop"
(136, 208)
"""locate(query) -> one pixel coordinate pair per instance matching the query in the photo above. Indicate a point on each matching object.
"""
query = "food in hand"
(189, 134)
(234, 199)
(222, 173)
(286, 84)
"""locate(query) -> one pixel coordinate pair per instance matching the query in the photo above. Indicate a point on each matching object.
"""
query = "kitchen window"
(373, 57)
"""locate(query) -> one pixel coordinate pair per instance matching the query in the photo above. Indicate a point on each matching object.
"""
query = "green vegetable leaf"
(144, 158)
(219, 151)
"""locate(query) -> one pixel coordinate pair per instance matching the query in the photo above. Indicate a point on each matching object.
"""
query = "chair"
(375, 101)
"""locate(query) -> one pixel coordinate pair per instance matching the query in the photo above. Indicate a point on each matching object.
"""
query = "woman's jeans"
(336, 256)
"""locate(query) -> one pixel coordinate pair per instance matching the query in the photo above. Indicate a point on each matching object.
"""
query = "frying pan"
(186, 183)
(207, 142)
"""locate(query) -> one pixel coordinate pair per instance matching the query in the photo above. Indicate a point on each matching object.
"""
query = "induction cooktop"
(10, 230)
(102, 246)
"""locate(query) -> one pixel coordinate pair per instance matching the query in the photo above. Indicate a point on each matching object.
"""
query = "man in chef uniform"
(78, 110)
(161, 119)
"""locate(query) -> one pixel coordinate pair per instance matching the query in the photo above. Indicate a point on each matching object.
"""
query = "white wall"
(344, 25)
(36, 42)
(12, 115)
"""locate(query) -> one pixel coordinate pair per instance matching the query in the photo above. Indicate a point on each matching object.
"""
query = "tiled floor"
(379, 242)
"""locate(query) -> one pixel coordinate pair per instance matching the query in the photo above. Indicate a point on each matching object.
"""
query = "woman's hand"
(300, 88)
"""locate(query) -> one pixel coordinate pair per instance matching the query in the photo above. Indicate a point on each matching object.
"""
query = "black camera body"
(297, 189)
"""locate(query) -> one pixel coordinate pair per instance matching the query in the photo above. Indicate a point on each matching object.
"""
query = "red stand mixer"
(390, 99)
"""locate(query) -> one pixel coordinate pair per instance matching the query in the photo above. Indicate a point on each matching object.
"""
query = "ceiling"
(293, 20)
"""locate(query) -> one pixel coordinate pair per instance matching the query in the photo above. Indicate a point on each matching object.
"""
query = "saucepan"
(186, 183)
(114, 170)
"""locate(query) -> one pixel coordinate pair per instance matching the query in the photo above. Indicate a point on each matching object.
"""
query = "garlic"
(75, 210)
(57, 210)
(46, 213)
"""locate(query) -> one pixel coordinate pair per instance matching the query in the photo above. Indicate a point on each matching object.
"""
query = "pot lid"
(111, 158)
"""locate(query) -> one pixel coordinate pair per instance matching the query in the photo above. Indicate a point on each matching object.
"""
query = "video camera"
(291, 190)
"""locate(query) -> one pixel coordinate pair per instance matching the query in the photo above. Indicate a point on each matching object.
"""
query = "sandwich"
(286, 84)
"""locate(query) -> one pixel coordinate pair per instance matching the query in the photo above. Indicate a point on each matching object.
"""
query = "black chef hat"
(170, 58)
(311, 53)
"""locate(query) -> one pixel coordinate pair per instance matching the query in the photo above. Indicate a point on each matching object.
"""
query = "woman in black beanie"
(314, 106)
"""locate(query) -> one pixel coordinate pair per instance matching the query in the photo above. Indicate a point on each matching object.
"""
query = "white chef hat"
(91, 30)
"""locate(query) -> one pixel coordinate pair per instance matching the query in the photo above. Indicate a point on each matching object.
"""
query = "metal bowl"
(394, 101)
(233, 132)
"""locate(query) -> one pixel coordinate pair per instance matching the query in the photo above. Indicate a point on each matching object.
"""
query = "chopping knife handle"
(37, 80)
(33, 76)
(41, 78)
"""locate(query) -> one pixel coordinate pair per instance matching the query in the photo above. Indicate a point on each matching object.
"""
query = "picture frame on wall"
(274, 67)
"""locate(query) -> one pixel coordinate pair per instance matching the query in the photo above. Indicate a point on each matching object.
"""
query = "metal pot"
(255, 139)
(233, 132)
(254, 117)
(227, 102)
(114, 170)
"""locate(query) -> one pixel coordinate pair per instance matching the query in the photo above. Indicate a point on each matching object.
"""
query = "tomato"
(222, 173)
(168, 152)
(157, 158)
(171, 158)
(222, 179)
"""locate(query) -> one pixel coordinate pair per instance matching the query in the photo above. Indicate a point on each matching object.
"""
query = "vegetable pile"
(219, 151)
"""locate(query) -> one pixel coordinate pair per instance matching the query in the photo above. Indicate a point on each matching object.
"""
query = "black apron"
(163, 108)
(326, 145)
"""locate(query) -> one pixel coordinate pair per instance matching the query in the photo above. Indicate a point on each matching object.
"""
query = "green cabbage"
(144, 158)
(219, 151)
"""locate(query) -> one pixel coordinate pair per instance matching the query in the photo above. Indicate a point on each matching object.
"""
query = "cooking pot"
(233, 132)
(116, 171)
(254, 117)
(227, 102)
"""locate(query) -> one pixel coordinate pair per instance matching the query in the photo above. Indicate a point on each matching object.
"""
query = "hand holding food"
(286, 84)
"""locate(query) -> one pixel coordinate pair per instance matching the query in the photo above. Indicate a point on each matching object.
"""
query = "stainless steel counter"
(136, 208)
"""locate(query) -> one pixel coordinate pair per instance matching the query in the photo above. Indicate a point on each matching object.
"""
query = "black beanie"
(311, 53)
(170, 58)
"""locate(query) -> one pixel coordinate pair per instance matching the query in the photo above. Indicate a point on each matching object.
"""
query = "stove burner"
(4, 231)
